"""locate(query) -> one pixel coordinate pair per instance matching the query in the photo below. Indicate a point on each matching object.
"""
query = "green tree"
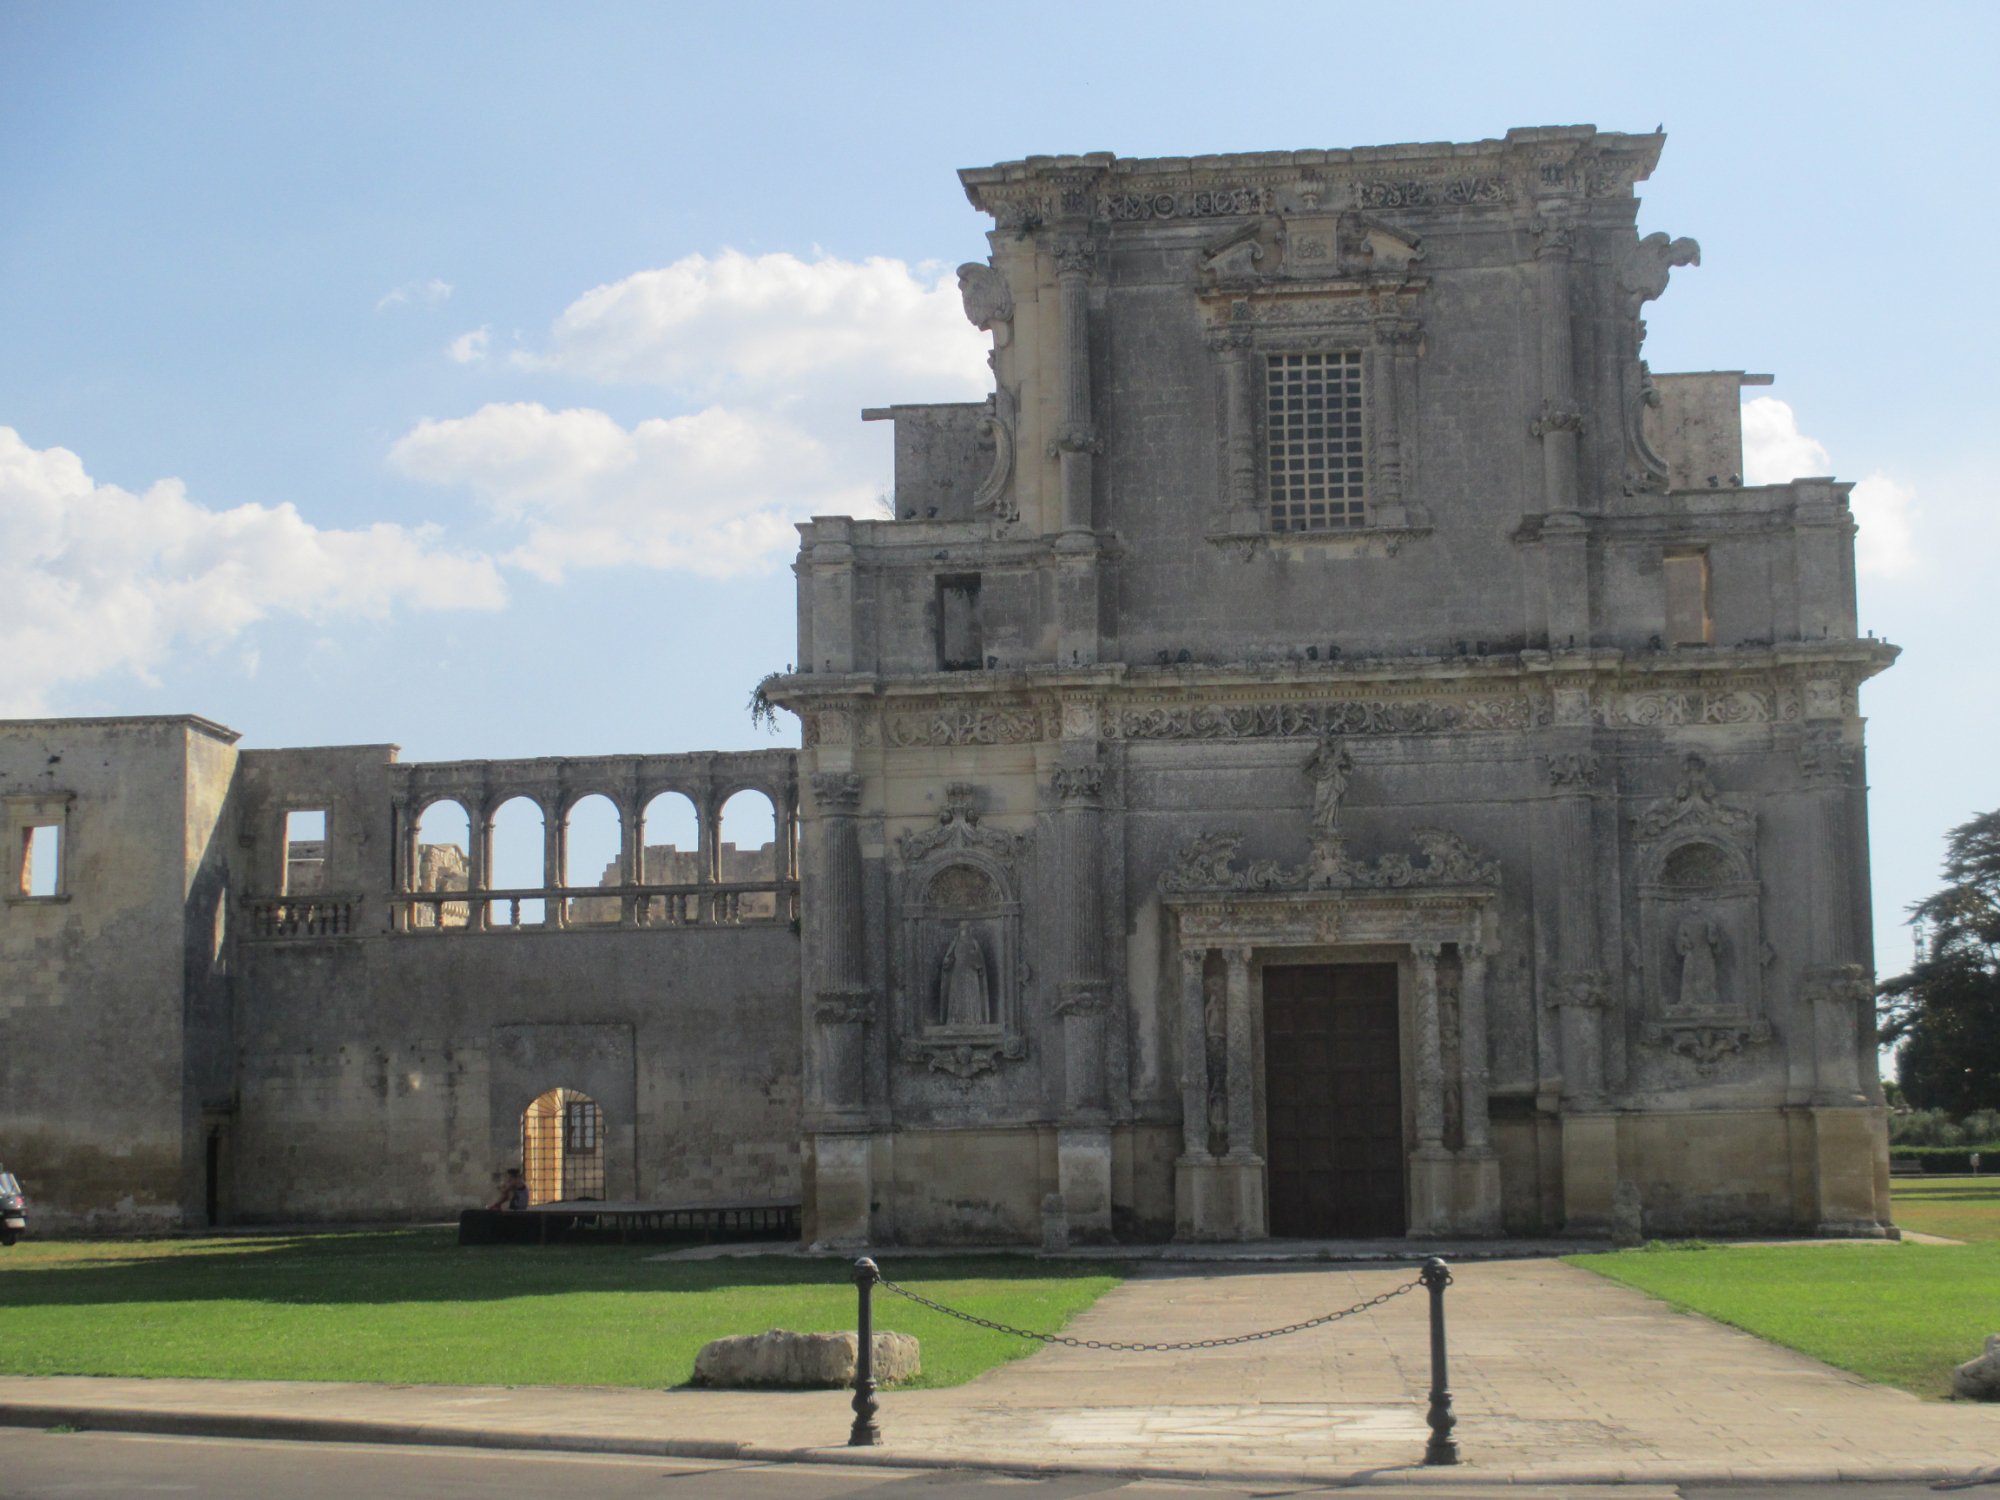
(1945, 1011)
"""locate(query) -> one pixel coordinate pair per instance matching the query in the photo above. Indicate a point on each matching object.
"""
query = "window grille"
(1313, 440)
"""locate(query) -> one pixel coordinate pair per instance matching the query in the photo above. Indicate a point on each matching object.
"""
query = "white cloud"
(771, 357)
(1884, 513)
(96, 580)
(432, 292)
(470, 348)
(1775, 451)
(774, 323)
(714, 492)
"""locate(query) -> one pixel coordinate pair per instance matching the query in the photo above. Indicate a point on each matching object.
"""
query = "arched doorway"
(562, 1147)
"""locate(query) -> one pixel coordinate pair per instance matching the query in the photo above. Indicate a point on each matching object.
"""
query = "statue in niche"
(1698, 941)
(962, 997)
(1329, 768)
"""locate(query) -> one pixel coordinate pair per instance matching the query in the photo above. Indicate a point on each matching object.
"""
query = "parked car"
(13, 1208)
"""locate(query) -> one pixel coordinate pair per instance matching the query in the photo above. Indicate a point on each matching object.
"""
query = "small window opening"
(41, 860)
(958, 636)
(1686, 578)
(1315, 459)
(305, 851)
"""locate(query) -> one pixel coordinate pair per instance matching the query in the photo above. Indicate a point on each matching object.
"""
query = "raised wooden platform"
(586, 1221)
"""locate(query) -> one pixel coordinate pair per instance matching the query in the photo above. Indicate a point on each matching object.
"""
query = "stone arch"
(746, 850)
(517, 841)
(562, 1147)
(440, 859)
(593, 856)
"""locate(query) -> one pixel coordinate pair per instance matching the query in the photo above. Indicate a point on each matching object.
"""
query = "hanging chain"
(1111, 1344)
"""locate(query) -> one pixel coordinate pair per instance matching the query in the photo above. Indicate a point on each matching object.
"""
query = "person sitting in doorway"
(513, 1192)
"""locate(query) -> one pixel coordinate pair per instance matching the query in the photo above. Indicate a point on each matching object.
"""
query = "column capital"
(1427, 952)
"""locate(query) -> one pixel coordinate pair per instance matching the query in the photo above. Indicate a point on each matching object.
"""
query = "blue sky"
(545, 322)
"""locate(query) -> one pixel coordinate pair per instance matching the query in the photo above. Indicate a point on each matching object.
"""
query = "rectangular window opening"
(959, 643)
(1686, 582)
(41, 860)
(1314, 457)
(305, 851)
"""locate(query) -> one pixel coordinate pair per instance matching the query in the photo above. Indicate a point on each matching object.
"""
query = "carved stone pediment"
(1695, 807)
(958, 828)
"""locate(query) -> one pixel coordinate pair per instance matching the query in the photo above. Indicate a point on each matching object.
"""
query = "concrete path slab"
(1559, 1376)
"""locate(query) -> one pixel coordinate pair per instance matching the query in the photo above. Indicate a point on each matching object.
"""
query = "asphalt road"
(38, 1465)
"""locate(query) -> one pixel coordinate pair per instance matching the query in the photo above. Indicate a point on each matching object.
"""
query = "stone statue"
(989, 305)
(962, 999)
(1329, 769)
(1697, 942)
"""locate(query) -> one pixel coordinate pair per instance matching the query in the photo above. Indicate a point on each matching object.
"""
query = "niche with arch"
(960, 966)
(1700, 929)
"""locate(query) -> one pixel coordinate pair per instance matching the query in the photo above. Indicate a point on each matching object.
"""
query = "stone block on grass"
(1979, 1379)
(783, 1360)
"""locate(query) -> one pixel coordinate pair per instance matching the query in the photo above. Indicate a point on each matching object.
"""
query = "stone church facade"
(1331, 746)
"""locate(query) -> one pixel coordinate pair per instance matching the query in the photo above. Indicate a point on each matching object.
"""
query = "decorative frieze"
(1293, 719)
(1208, 862)
(951, 725)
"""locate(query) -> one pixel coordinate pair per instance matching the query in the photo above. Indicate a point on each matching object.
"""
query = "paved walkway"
(1558, 1375)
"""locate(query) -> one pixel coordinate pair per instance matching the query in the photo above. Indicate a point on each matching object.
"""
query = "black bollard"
(1441, 1449)
(867, 1432)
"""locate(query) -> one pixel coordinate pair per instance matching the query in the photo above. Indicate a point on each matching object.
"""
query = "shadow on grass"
(429, 1266)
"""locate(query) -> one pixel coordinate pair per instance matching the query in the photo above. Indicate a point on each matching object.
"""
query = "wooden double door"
(1333, 1101)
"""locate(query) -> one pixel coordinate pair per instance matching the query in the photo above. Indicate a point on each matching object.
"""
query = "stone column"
(1392, 374)
(407, 824)
(555, 861)
(1472, 1064)
(1430, 1050)
(1242, 1102)
(478, 860)
(1194, 1056)
(843, 1001)
(1079, 904)
(1477, 1209)
(1433, 1195)
(1075, 442)
(842, 1007)
(1557, 423)
(1083, 1142)
(1243, 510)
(631, 850)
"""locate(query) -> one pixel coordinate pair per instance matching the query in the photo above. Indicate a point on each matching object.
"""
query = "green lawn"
(411, 1306)
(1901, 1314)
(1962, 1208)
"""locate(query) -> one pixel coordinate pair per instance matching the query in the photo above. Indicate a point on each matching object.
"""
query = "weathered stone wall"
(114, 995)
(386, 1076)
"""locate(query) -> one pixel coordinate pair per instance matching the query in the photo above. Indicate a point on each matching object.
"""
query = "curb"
(414, 1434)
